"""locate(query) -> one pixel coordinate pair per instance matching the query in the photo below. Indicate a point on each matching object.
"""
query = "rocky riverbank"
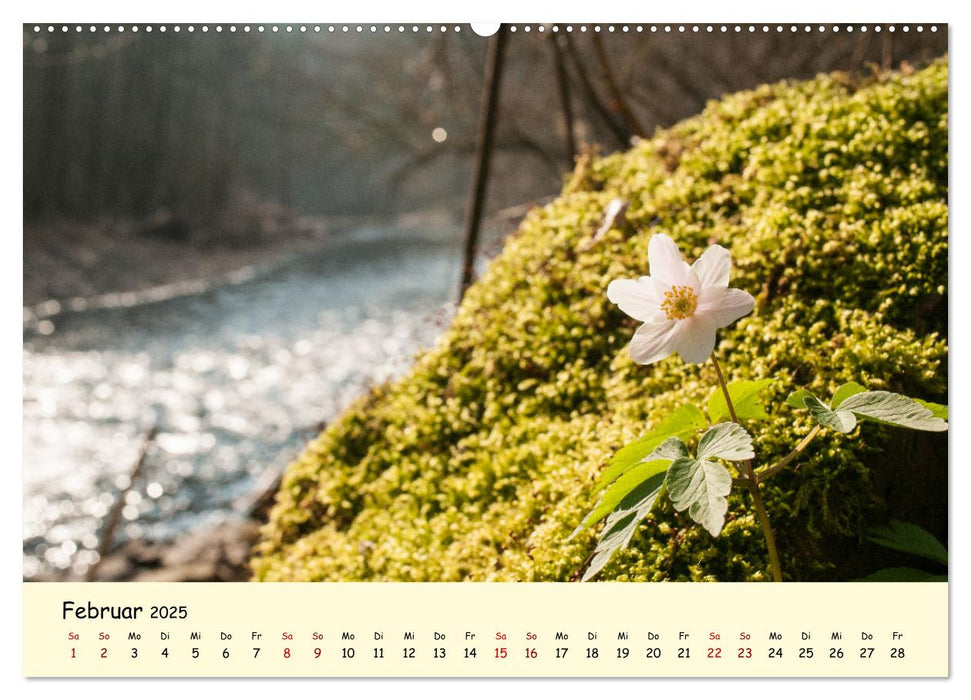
(67, 260)
(235, 373)
(220, 553)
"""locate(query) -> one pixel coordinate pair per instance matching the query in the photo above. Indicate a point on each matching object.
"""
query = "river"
(237, 377)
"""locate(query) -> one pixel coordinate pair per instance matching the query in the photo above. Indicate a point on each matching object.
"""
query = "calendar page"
(436, 349)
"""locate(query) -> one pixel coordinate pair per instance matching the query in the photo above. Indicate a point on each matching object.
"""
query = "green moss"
(832, 197)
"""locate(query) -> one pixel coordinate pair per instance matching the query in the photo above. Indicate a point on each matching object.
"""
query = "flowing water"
(236, 377)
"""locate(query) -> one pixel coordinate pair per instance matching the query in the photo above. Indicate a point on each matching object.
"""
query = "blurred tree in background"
(185, 125)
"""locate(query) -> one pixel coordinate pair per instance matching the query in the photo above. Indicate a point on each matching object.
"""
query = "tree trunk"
(487, 126)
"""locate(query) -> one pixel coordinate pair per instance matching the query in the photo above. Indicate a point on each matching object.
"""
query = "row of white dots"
(289, 28)
(345, 29)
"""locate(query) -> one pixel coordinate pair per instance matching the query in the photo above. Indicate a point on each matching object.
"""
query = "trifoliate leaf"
(726, 441)
(910, 538)
(683, 422)
(700, 487)
(886, 407)
(746, 397)
(878, 406)
(842, 421)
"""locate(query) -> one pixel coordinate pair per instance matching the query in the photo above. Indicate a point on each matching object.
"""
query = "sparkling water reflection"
(237, 378)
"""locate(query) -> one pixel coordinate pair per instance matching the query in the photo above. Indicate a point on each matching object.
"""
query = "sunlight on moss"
(832, 198)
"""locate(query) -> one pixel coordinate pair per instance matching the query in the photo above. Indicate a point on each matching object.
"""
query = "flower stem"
(752, 483)
(721, 382)
(769, 472)
(753, 488)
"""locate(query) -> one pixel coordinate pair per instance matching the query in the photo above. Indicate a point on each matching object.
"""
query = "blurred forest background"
(229, 236)
(222, 138)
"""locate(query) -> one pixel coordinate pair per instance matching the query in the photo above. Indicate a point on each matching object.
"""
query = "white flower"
(681, 305)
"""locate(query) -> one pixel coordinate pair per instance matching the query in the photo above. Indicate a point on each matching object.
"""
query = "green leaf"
(701, 487)
(616, 536)
(746, 398)
(903, 574)
(621, 525)
(842, 421)
(909, 538)
(681, 423)
(845, 391)
(878, 406)
(938, 410)
(797, 399)
(886, 407)
(671, 449)
(621, 488)
(726, 441)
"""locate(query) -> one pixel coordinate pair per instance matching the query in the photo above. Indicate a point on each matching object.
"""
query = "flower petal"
(713, 267)
(695, 339)
(668, 268)
(636, 298)
(653, 341)
(724, 306)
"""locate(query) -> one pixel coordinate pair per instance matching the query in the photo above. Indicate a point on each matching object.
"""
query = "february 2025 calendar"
(540, 630)
(512, 350)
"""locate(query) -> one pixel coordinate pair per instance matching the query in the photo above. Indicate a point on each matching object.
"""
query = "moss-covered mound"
(831, 195)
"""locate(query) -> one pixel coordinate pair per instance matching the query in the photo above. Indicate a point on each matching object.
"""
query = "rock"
(163, 224)
(219, 553)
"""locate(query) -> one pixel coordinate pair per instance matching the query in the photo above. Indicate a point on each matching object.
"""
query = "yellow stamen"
(680, 302)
